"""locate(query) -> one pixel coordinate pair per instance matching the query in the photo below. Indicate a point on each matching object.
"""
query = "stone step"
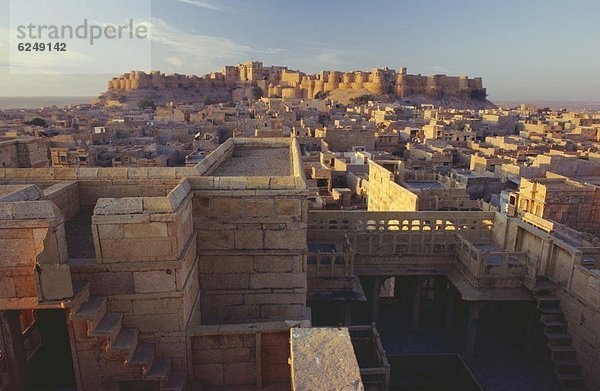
(567, 366)
(544, 287)
(177, 381)
(90, 308)
(561, 349)
(143, 356)
(551, 317)
(547, 299)
(554, 322)
(564, 355)
(160, 370)
(550, 311)
(109, 327)
(81, 294)
(558, 338)
(126, 342)
(92, 311)
(572, 380)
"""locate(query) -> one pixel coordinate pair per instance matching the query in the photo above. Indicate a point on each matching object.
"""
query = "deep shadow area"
(509, 352)
(51, 367)
(80, 242)
(430, 372)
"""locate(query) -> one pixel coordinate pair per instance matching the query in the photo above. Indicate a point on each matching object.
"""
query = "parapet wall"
(384, 194)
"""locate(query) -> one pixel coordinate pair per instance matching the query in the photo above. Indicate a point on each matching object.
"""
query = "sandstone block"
(218, 240)
(110, 231)
(209, 374)
(7, 288)
(248, 239)
(154, 281)
(285, 207)
(238, 312)
(157, 204)
(225, 355)
(281, 312)
(218, 341)
(218, 300)
(225, 207)
(118, 206)
(288, 239)
(275, 298)
(145, 230)
(166, 305)
(275, 264)
(201, 206)
(258, 207)
(276, 373)
(118, 305)
(112, 283)
(136, 250)
(25, 286)
(226, 264)
(154, 323)
(277, 280)
(275, 339)
(240, 373)
(224, 281)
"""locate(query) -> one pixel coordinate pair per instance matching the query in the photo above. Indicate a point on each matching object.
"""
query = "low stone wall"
(32, 232)
(66, 196)
(386, 195)
(241, 359)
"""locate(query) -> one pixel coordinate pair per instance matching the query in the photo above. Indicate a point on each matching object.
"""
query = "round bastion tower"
(319, 87)
(360, 78)
(463, 83)
(310, 89)
(347, 79)
(375, 85)
(400, 88)
(333, 81)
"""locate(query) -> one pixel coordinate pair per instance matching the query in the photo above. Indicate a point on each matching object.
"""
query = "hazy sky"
(524, 50)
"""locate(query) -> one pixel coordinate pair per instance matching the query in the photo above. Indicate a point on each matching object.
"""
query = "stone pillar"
(450, 300)
(416, 304)
(475, 308)
(375, 299)
(440, 293)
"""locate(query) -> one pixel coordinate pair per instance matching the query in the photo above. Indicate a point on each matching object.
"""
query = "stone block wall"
(386, 195)
(252, 255)
(65, 195)
(31, 232)
(147, 266)
(24, 152)
(583, 325)
(241, 359)
(225, 359)
(8, 154)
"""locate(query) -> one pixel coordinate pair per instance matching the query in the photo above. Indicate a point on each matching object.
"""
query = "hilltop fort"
(281, 82)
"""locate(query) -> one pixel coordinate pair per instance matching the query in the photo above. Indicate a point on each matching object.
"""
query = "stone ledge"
(245, 328)
(323, 358)
(29, 210)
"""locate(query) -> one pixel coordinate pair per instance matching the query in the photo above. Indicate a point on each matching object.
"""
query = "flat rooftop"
(256, 162)
(424, 185)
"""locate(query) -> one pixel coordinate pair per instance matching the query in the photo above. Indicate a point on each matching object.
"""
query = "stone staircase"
(562, 352)
(131, 358)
